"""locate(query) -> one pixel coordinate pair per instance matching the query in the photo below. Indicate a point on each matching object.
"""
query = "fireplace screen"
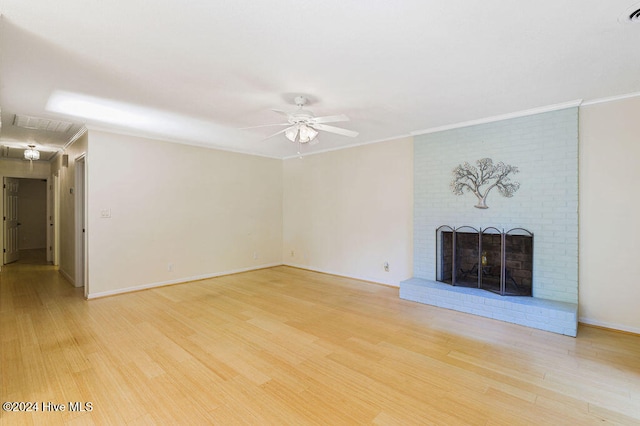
(489, 259)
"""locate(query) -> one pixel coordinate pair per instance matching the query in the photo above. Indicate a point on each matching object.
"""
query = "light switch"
(105, 213)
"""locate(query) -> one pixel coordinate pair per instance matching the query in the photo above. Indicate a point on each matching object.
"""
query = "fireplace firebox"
(486, 258)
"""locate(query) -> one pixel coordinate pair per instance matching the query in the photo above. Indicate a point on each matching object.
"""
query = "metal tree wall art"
(482, 179)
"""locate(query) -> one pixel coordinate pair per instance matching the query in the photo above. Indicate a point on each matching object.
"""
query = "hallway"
(33, 257)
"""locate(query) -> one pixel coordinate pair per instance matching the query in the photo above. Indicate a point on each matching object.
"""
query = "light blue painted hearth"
(543, 314)
(545, 149)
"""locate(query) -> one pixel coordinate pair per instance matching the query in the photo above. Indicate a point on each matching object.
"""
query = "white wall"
(22, 169)
(348, 212)
(202, 211)
(609, 205)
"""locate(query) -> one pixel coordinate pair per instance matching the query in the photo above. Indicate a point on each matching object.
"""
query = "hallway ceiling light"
(31, 153)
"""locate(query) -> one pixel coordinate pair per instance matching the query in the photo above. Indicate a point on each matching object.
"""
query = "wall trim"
(183, 280)
(338, 274)
(167, 139)
(523, 113)
(75, 137)
(517, 114)
(583, 320)
(609, 325)
(355, 145)
(67, 277)
(611, 99)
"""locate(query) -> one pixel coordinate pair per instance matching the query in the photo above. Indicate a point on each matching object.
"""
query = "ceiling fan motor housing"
(300, 101)
(301, 116)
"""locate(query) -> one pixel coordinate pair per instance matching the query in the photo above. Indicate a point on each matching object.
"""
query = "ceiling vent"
(36, 123)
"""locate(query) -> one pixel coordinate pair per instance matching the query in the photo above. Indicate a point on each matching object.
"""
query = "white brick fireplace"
(544, 147)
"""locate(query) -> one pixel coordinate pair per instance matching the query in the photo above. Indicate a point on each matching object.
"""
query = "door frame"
(50, 226)
(81, 229)
(13, 237)
(55, 240)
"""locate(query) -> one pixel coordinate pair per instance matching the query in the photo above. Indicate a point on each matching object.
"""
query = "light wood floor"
(288, 346)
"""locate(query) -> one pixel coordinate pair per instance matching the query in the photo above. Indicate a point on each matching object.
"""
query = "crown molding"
(611, 99)
(143, 135)
(340, 148)
(517, 114)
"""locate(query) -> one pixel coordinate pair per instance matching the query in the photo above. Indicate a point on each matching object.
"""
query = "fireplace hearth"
(487, 258)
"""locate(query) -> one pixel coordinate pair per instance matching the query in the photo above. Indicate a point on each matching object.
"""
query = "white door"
(11, 224)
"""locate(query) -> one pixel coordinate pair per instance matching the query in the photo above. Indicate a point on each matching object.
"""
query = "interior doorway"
(26, 207)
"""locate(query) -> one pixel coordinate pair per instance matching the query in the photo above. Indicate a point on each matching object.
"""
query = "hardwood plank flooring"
(289, 346)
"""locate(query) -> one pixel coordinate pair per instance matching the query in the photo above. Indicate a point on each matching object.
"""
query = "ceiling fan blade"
(331, 119)
(264, 125)
(277, 133)
(337, 130)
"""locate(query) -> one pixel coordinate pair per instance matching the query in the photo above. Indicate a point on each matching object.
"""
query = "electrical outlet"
(386, 266)
(170, 267)
(255, 255)
(292, 253)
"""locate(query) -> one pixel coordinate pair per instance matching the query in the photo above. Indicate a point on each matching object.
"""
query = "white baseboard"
(67, 277)
(583, 320)
(341, 274)
(613, 326)
(176, 281)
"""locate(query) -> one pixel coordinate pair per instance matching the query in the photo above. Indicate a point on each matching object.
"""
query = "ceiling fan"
(303, 126)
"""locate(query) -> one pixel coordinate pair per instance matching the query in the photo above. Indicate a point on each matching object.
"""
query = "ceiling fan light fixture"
(31, 153)
(307, 134)
(291, 133)
(303, 126)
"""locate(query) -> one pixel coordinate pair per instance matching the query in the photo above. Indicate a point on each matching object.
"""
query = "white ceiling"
(196, 71)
